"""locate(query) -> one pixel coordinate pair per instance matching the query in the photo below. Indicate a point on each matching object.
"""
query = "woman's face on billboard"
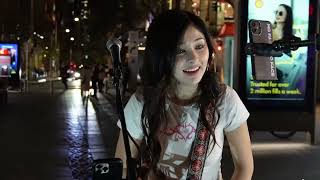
(281, 14)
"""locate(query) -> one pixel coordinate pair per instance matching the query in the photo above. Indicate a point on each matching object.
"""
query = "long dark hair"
(163, 36)
(287, 28)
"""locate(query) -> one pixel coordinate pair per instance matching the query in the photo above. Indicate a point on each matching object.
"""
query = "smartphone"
(263, 66)
(107, 169)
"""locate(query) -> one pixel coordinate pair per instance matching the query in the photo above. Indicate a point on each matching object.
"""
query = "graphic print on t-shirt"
(176, 139)
(182, 132)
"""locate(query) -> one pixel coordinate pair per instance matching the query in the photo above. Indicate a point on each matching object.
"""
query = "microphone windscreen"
(112, 42)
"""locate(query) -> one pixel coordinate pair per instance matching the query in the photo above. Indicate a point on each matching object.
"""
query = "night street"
(244, 74)
(55, 136)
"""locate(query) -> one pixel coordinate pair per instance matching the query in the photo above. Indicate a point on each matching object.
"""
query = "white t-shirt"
(177, 139)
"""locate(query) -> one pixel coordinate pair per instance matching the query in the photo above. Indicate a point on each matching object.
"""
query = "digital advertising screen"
(288, 18)
(9, 61)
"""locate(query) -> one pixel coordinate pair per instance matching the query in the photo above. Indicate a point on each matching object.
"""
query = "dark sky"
(103, 14)
(13, 12)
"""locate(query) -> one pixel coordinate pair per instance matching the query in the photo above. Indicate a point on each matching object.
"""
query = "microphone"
(114, 46)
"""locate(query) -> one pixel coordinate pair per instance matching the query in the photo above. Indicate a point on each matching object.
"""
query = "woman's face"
(191, 58)
(281, 14)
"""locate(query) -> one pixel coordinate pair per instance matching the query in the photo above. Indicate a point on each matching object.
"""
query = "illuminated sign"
(288, 18)
(8, 59)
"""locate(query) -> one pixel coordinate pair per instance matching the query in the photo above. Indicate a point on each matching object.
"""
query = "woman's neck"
(280, 25)
(185, 92)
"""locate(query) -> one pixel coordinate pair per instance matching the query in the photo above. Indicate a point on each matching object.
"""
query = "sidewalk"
(105, 106)
(107, 122)
(55, 136)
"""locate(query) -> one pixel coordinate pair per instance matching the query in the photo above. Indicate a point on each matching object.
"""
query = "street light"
(67, 30)
(71, 38)
(76, 19)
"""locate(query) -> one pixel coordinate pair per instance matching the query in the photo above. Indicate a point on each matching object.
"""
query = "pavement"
(48, 135)
(54, 135)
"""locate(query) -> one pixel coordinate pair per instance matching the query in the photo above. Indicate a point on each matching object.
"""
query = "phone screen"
(107, 169)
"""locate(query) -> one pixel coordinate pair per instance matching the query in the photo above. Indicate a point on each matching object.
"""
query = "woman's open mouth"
(192, 70)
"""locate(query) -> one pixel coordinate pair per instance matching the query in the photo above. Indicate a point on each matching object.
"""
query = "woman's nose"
(192, 55)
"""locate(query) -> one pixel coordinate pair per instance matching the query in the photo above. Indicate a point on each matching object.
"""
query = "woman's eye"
(199, 46)
(180, 51)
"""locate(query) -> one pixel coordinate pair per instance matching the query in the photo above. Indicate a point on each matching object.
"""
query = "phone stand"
(277, 48)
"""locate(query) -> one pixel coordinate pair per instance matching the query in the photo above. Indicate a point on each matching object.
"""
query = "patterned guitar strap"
(200, 147)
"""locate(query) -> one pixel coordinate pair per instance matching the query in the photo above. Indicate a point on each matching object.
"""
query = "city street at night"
(211, 89)
(57, 137)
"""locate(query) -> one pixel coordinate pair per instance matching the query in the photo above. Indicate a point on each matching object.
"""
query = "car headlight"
(77, 75)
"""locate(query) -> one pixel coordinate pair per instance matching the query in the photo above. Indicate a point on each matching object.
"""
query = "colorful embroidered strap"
(199, 151)
(200, 147)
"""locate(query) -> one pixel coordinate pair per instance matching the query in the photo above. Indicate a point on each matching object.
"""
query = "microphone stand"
(295, 43)
(131, 162)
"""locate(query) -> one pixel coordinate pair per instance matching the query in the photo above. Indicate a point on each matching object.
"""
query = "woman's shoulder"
(229, 95)
(229, 90)
(138, 94)
(135, 102)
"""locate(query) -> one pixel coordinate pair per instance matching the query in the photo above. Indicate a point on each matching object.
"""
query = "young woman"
(177, 87)
(282, 30)
(282, 27)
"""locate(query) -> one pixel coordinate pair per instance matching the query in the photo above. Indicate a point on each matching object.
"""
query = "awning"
(227, 29)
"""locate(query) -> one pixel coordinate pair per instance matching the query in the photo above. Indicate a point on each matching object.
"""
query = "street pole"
(55, 56)
(26, 86)
(50, 76)
(204, 10)
(28, 43)
(51, 60)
